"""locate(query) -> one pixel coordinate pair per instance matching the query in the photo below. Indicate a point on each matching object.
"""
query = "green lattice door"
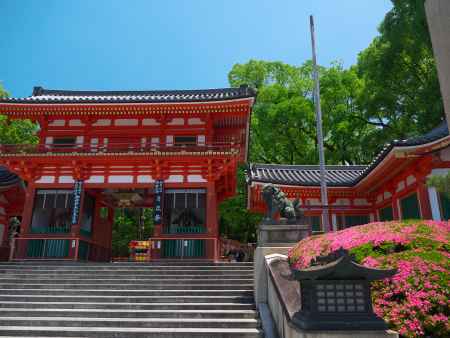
(386, 214)
(445, 206)
(177, 248)
(50, 248)
(410, 207)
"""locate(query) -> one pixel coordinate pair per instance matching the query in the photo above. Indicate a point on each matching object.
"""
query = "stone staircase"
(164, 299)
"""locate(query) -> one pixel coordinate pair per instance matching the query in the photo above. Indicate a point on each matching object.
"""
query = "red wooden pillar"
(424, 200)
(25, 225)
(27, 213)
(211, 216)
(392, 188)
(421, 172)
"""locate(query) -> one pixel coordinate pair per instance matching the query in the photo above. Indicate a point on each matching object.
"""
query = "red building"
(101, 150)
(392, 187)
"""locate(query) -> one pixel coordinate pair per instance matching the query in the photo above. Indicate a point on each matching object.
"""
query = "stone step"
(130, 322)
(117, 313)
(106, 306)
(120, 287)
(97, 278)
(115, 332)
(124, 268)
(127, 281)
(125, 293)
(105, 273)
(187, 299)
(179, 262)
(129, 299)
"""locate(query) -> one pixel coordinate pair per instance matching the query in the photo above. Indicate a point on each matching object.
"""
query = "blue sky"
(170, 44)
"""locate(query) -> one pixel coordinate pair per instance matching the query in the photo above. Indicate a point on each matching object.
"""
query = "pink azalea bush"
(415, 302)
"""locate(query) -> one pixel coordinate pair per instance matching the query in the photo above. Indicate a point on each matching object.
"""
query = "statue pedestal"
(282, 235)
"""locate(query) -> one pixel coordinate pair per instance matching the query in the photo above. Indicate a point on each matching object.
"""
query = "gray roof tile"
(337, 176)
(41, 95)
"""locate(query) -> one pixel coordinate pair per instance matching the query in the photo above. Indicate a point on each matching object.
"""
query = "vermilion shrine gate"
(99, 150)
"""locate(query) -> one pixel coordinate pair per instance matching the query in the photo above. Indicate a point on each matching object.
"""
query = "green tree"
(16, 131)
(236, 222)
(126, 228)
(400, 94)
(283, 120)
(3, 92)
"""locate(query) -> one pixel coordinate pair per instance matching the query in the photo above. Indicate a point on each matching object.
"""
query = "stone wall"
(438, 15)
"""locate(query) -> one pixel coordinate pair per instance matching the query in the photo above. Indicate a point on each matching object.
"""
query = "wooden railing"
(131, 147)
(66, 248)
(184, 230)
(50, 230)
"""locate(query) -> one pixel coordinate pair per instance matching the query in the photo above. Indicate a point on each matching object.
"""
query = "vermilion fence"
(116, 148)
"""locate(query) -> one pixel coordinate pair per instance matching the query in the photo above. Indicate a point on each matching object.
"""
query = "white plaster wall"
(96, 179)
(400, 186)
(387, 195)
(102, 123)
(126, 122)
(313, 201)
(3, 199)
(410, 180)
(2, 231)
(145, 179)
(195, 121)
(361, 202)
(439, 171)
(196, 178)
(380, 198)
(176, 122)
(175, 179)
(169, 140)
(66, 179)
(445, 154)
(79, 140)
(57, 123)
(150, 122)
(334, 222)
(76, 123)
(201, 140)
(120, 179)
(342, 201)
(46, 179)
(434, 202)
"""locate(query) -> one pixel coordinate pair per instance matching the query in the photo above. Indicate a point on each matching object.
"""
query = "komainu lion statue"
(276, 201)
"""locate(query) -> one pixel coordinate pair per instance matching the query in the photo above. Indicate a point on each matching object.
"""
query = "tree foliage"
(16, 131)
(236, 221)
(400, 94)
(283, 121)
(392, 93)
(441, 183)
(126, 228)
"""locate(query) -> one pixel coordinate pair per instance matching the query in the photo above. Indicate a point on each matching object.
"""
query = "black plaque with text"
(159, 192)
(77, 189)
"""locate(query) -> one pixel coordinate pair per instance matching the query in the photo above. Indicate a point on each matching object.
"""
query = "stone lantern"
(335, 294)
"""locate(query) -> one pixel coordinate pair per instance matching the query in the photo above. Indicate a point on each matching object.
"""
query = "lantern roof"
(342, 268)
(7, 178)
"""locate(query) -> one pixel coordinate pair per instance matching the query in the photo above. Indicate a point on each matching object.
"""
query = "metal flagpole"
(323, 174)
